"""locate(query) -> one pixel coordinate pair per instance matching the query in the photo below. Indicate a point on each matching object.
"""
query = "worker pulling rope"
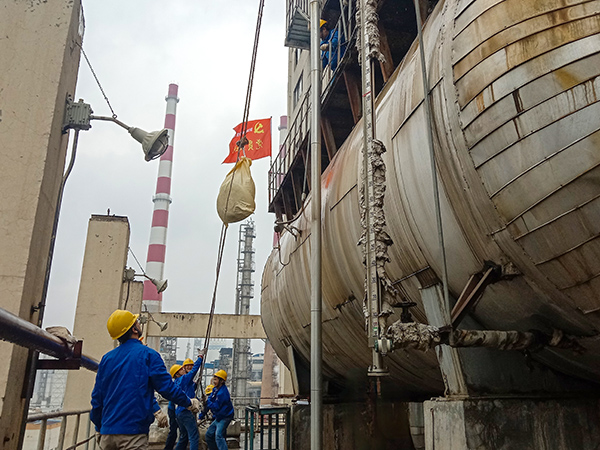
(242, 164)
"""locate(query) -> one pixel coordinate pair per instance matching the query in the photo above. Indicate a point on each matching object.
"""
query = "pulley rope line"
(224, 226)
(114, 115)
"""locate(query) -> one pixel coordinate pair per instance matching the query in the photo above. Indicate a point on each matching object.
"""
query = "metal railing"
(297, 132)
(63, 429)
(267, 422)
(300, 125)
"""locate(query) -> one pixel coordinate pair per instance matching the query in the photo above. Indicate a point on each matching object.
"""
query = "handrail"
(298, 130)
(43, 417)
(261, 419)
(55, 414)
(19, 331)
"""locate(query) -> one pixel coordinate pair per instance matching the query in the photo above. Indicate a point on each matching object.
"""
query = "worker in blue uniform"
(329, 46)
(219, 403)
(186, 419)
(123, 397)
(176, 371)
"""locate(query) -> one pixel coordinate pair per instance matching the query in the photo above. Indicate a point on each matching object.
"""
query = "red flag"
(258, 133)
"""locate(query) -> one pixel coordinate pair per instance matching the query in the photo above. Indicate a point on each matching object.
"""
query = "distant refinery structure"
(242, 356)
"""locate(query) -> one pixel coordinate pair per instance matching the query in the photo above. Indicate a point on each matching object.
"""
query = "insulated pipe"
(316, 343)
(373, 292)
(25, 334)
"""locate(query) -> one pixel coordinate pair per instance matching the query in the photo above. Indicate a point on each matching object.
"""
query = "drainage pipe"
(316, 343)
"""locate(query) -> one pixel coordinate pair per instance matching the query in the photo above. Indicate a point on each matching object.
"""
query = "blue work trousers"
(216, 435)
(188, 430)
(172, 436)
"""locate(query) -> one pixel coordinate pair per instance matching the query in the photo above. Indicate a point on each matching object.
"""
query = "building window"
(297, 54)
(297, 92)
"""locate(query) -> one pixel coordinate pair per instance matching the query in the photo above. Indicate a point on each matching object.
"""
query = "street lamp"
(78, 116)
(129, 275)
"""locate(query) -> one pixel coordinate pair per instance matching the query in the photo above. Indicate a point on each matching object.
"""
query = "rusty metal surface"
(517, 144)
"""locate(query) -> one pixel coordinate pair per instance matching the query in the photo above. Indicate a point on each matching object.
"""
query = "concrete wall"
(100, 293)
(39, 61)
(355, 426)
(509, 424)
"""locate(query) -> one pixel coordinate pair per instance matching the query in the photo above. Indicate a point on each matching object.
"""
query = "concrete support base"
(508, 424)
(355, 426)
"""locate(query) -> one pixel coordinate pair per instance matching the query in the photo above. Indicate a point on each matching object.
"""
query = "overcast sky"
(138, 47)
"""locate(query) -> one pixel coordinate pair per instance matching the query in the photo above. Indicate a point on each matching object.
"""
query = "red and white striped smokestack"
(155, 262)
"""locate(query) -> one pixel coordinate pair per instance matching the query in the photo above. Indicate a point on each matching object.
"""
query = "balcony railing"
(43, 418)
(291, 145)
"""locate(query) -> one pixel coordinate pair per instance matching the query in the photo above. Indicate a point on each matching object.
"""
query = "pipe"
(316, 343)
(424, 337)
(436, 191)
(25, 334)
(373, 288)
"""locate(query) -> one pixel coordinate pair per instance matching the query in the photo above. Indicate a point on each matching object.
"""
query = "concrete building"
(41, 78)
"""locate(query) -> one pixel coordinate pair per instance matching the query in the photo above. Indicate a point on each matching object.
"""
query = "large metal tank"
(517, 142)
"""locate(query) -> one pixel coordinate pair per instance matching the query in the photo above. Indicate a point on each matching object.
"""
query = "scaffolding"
(242, 361)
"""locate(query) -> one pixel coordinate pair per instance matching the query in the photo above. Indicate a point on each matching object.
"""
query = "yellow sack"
(236, 196)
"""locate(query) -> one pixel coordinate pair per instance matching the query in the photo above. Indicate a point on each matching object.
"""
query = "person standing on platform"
(188, 428)
(123, 395)
(219, 403)
(176, 371)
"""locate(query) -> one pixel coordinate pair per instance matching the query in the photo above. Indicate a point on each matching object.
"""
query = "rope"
(114, 116)
(241, 143)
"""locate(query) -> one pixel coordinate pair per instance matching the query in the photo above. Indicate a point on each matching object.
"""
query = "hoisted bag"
(236, 195)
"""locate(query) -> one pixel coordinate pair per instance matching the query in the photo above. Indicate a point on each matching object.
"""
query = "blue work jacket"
(186, 383)
(219, 402)
(123, 397)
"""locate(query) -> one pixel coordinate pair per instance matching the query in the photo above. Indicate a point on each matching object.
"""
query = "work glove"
(97, 438)
(324, 47)
(163, 421)
(195, 406)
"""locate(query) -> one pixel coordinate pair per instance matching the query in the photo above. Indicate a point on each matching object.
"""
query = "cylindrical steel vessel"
(516, 127)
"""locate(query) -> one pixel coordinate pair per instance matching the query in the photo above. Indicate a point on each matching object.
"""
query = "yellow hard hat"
(221, 374)
(209, 389)
(323, 22)
(119, 322)
(174, 369)
(188, 361)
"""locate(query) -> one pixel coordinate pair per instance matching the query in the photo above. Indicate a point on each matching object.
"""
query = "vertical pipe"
(61, 435)
(316, 350)
(369, 133)
(436, 192)
(42, 438)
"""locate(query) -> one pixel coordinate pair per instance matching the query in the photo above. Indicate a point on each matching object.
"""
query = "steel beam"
(225, 326)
